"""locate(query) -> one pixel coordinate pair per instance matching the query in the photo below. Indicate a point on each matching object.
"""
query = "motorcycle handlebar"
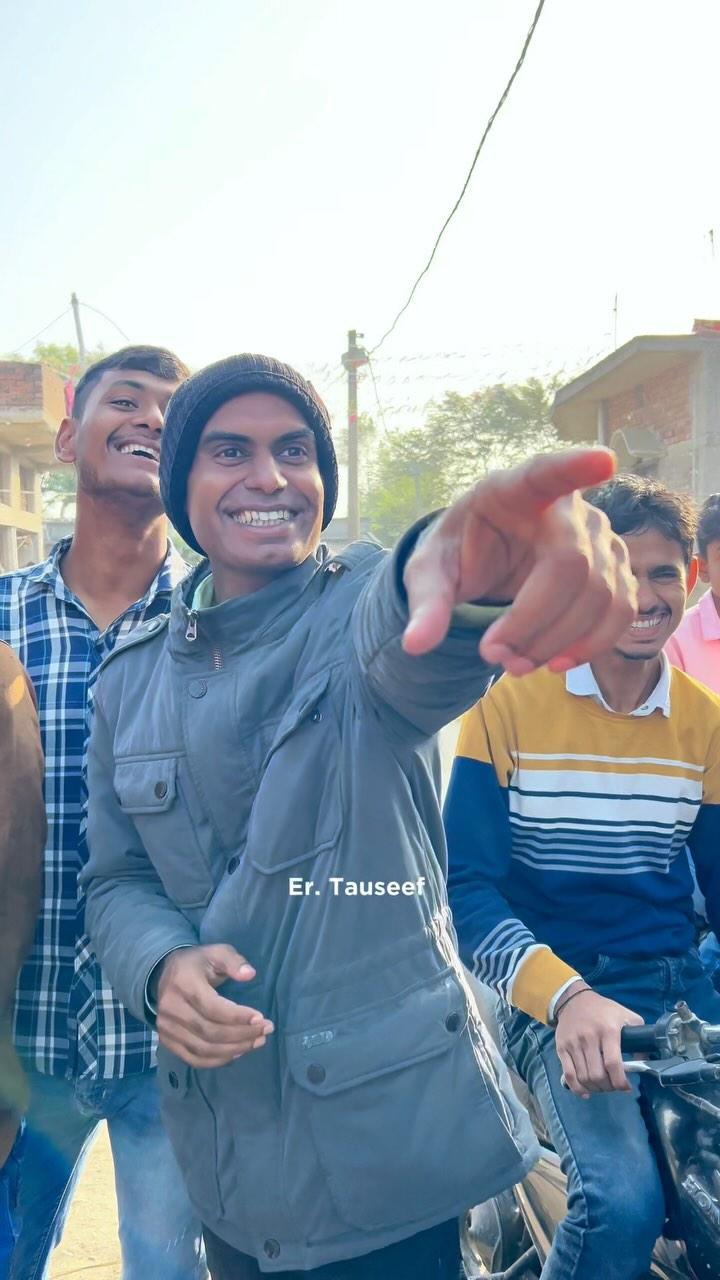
(639, 1039)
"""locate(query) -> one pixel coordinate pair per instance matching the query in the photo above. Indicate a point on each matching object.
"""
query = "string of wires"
(503, 99)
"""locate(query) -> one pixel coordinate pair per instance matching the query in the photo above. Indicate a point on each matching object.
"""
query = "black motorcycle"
(509, 1238)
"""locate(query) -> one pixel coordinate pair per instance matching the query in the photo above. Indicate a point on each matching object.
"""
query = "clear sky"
(265, 174)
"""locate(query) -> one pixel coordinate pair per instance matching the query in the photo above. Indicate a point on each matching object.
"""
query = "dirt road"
(90, 1246)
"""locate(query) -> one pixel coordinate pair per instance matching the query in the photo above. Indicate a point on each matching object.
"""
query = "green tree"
(462, 438)
(59, 488)
(497, 426)
(65, 358)
(408, 477)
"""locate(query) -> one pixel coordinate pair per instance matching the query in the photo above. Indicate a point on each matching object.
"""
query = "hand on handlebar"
(588, 1043)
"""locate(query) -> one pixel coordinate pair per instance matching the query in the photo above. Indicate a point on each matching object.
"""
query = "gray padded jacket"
(285, 736)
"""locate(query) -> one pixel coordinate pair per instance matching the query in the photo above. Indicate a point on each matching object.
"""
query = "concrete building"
(656, 401)
(32, 405)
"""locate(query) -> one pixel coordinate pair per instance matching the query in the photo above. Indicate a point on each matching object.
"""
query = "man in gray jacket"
(267, 863)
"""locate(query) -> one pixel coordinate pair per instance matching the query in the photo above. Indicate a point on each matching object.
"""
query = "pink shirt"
(695, 646)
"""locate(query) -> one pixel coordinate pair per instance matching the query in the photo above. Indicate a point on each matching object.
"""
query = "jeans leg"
(710, 954)
(696, 987)
(58, 1138)
(616, 1205)
(160, 1235)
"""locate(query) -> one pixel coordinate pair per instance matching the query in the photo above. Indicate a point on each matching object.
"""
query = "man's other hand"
(587, 1040)
(526, 536)
(196, 1023)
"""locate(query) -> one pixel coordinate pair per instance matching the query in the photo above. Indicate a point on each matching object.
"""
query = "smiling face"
(659, 567)
(115, 444)
(255, 493)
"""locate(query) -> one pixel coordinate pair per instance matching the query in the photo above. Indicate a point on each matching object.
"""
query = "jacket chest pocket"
(153, 793)
(297, 812)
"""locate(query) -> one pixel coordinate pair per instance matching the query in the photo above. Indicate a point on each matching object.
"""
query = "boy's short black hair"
(634, 504)
(708, 529)
(155, 360)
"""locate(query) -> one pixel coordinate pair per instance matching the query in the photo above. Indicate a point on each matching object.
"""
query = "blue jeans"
(160, 1236)
(710, 956)
(615, 1208)
(9, 1179)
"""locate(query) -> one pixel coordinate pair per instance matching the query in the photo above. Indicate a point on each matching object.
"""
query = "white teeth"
(259, 518)
(141, 451)
(646, 625)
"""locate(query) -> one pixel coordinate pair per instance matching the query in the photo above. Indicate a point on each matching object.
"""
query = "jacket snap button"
(233, 865)
(197, 689)
(453, 1022)
(271, 1249)
(161, 790)
(316, 716)
(315, 1073)
(174, 1082)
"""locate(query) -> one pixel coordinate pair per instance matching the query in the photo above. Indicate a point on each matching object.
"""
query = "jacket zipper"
(191, 635)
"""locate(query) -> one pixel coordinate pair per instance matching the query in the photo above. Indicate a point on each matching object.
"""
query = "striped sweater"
(570, 828)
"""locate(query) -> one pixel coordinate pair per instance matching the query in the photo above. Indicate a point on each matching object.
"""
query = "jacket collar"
(236, 625)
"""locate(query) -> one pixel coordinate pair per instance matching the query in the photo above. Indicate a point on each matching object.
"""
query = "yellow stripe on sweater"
(537, 980)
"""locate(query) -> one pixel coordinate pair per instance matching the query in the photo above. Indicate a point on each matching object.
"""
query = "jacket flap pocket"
(299, 711)
(420, 1024)
(146, 786)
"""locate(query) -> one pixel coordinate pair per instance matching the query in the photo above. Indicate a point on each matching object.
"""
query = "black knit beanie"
(196, 400)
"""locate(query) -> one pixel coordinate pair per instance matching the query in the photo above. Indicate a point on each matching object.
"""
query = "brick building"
(656, 401)
(32, 405)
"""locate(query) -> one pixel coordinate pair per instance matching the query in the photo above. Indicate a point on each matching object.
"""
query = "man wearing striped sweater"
(575, 805)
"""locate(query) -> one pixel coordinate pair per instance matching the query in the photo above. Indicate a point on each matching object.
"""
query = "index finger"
(534, 486)
(612, 1057)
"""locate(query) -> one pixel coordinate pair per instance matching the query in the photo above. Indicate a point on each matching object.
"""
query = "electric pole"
(353, 358)
(78, 329)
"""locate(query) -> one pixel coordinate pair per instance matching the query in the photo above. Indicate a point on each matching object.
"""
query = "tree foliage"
(415, 471)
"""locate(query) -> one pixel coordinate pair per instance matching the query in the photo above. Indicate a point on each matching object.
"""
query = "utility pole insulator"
(352, 360)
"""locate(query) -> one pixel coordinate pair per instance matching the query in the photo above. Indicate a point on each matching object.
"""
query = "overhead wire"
(503, 99)
(381, 411)
(40, 332)
(108, 318)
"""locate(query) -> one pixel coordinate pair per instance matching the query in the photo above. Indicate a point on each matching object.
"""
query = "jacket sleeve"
(494, 944)
(22, 840)
(704, 838)
(131, 921)
(429, 691)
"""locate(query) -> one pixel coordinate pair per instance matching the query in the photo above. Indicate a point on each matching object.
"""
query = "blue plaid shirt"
(67, 1020)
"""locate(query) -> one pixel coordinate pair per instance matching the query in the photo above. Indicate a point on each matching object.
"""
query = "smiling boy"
(572, 805)
(87, 1058)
